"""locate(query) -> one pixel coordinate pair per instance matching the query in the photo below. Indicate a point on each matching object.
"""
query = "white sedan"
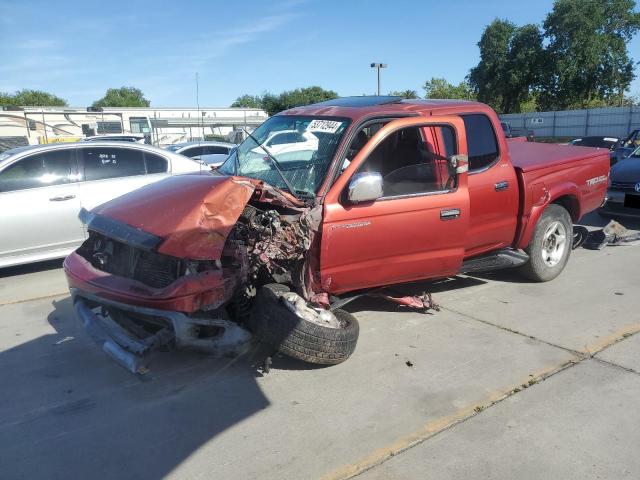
(211, 153)
(43, 188)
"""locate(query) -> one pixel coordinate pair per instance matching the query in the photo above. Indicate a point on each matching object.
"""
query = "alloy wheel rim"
(554, 243)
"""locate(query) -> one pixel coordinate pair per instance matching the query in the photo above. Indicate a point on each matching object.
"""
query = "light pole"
(378, 66)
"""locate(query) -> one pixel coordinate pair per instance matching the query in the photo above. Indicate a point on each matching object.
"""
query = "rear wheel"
(550, 245)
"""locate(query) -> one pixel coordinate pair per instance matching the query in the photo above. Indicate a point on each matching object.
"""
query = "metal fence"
(613, 121)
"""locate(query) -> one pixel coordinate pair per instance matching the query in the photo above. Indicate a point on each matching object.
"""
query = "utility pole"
(198, 107)
(378, 66)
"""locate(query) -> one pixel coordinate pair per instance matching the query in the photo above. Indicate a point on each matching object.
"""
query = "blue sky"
(78, 49)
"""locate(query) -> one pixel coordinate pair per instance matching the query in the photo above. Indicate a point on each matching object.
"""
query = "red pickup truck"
(318, 205)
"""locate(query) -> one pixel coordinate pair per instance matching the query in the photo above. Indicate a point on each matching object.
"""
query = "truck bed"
(575, 176)
(530, 156)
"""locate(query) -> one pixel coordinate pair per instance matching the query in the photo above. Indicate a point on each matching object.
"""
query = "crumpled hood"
(627, 170)
(193, 214)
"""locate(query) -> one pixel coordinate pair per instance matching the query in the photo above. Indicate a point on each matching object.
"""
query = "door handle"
(503, 185)
(449, 214)
(62, 199)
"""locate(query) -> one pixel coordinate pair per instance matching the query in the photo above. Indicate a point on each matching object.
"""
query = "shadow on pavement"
(31, 268)
(593, 219)
(68, 411)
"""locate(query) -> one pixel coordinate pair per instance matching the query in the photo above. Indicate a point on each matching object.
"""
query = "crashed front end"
(176, 263)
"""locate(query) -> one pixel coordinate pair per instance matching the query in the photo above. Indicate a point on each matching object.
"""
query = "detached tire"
(550, 245)
(299, 338)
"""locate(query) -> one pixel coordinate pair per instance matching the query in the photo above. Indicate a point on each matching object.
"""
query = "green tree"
(405, 93)
(122, 97)
(299, 97)
(31, 98)
(441, 88)
(509, 70)
(295, 98)
(273, 104)
(247, 101)
(587, 52)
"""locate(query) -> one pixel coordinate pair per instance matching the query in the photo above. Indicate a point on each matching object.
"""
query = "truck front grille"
(153, 269)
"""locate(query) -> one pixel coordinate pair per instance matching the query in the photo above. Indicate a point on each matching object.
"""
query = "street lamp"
(378, 66)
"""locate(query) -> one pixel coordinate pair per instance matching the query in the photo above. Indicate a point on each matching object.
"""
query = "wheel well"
(570, 204)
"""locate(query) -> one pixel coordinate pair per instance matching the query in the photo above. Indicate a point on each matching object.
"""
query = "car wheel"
(550, 245)
(327, 340)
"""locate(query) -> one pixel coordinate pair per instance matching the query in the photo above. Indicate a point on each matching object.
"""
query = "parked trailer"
(161, 126)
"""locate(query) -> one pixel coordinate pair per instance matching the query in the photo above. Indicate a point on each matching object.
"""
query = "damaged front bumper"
(131, 346)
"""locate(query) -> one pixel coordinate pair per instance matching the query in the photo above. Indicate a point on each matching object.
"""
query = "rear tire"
(550, 245)
(296, 337)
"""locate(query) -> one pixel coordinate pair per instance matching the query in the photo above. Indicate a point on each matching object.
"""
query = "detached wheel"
(550, 245)
(320, 339)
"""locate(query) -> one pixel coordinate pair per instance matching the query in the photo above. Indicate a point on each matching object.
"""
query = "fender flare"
(567, 194)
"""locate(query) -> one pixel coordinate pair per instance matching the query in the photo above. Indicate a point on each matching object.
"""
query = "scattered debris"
(65, 339)
(613, 234)
(422, 302)
(266, 365)
(408, 363)
(618, 293)
(478, 409)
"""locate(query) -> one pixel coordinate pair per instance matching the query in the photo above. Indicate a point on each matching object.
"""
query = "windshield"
(636, 153)
(174, 148)
(302, 147)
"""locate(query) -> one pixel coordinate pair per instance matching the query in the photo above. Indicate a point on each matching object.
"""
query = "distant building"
(160, 126)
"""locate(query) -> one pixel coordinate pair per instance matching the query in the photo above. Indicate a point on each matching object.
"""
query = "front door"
(417, 228)
(39, 201)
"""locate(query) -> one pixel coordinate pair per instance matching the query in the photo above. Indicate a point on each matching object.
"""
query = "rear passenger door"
(109, 172)
(493, 188)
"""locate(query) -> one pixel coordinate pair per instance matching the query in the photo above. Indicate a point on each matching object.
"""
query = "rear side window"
(193, 152)
(105, 162)
(39, 170)
(155, 163)
(214, 150)
(481, 141)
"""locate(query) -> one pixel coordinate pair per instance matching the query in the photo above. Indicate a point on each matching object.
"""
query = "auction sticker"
(327, 126)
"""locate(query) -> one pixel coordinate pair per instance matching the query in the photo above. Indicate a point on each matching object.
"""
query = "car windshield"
(636, 153)
(174, 148)
(302, 147)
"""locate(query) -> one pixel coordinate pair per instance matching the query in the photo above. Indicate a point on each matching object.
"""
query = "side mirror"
(459, 163)
(365, 187)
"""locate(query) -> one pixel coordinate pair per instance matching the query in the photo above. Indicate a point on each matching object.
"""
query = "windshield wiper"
(275, 164)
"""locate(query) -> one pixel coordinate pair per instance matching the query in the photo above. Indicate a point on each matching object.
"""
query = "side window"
(193, 152)
(107, 162)
(408, 166)
(481, 141)
(214, 150)
(449, 141)
(109, 127)
(360, 140)
(155, 163)
(139, 125)
(39, 170)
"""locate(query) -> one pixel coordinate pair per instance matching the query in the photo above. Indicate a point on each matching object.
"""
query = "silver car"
(212, 153)
(42, 189)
